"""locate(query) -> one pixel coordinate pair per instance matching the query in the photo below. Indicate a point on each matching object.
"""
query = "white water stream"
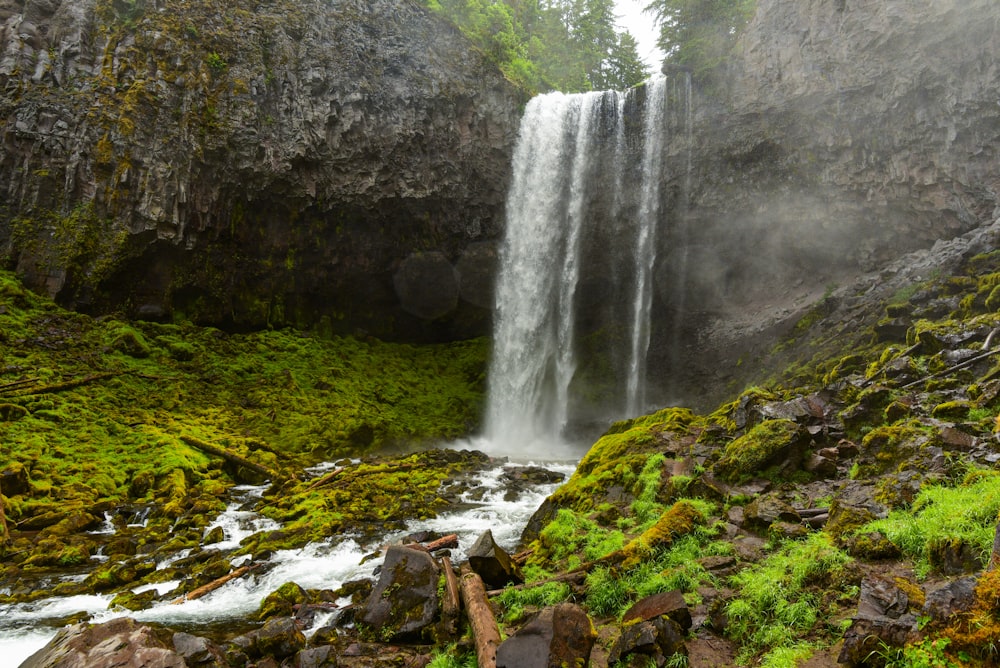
(25, 628)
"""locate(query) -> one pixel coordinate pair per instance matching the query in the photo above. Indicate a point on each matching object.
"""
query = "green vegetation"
(698, 35)
(99, 413)
(945, 518)
(571, 46)
(514, 601)
(780, 600)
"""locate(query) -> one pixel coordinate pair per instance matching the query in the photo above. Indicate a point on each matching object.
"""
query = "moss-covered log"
(485, 631)
(231, 457)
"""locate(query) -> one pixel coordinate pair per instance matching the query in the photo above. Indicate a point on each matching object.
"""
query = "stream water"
(25, 628)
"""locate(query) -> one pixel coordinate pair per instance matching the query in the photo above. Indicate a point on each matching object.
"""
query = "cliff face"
(333, 164)
(847, 133)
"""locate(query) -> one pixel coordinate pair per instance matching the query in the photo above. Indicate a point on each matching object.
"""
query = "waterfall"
(654, 137)
(570, 194)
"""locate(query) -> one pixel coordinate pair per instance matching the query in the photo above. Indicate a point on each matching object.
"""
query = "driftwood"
(325, 480)
(230, 457)
(485, 631)
(450, 541)
(214, 584)
(70, 384)
(956, 367)
(451, 605)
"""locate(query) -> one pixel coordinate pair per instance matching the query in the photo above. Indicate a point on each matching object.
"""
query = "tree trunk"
(485, 631)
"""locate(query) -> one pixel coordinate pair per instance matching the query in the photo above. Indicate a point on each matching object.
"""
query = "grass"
(943, 516)
(779, 600)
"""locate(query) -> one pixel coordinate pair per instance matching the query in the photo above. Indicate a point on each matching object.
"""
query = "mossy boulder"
(281, 601)
(404, 603)
(770, 442)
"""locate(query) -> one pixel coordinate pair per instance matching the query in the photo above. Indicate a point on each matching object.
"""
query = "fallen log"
(4, 531)
(230, 457)
(67, 385)
(451, 605)
(213, 585)
(485, 631)
(325, 480)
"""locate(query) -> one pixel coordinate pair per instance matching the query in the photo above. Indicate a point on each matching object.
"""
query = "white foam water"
(25, 628)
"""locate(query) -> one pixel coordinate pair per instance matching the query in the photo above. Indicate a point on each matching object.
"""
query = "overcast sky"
(632, 18)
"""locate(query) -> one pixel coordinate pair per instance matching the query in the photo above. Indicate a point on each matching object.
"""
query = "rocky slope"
(253, 163)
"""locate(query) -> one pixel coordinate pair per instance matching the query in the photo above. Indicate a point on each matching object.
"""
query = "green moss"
(679, 520)
(749, 453)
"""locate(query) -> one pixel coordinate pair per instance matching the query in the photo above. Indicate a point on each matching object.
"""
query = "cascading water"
(572, 150)
(654, 129)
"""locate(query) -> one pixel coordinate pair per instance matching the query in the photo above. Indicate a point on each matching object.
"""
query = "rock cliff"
(846, 133)
(340, 165)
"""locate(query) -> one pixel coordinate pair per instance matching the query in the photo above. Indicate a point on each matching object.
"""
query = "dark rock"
(316, 657)
(427, 285)
(945, 602)
(199, 652)
(669, 604)
(871, 546)
(765, 510)
(14, 480)
(404, 601)
(659, 639)
(954, 556)
(867, 636)
(476, 268)
(279, 637)
(535, 475)
(881, 598)
(818, 465)
(492, 563)
(561, 635)
(787, 530)
(120, 642)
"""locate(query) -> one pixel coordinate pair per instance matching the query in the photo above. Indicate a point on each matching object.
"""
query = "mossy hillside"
(97, 410)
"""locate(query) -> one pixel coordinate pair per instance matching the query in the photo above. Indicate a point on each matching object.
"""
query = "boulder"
(404, 601)
(668, 604)
(199, 652)
(882, 621)
(492, 563)
(945, 602)
(561, 635)
(764, 511)
(658, 639)
(280, 638)
(120, 642)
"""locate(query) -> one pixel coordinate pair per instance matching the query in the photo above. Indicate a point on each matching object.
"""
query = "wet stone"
(955, 597)
(657, 640)
(404, 602)
(492, 563)
(561, 635)
(669, 604)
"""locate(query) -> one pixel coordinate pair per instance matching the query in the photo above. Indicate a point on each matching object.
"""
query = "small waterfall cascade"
(577, 266)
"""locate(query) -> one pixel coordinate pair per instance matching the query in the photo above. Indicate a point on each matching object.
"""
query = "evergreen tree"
(568, 45)
(698, 35)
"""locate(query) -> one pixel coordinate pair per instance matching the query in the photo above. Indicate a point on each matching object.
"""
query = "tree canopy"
(698, 35)
(566, 45)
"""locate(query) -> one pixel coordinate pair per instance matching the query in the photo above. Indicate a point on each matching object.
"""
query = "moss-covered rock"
(766, 444)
